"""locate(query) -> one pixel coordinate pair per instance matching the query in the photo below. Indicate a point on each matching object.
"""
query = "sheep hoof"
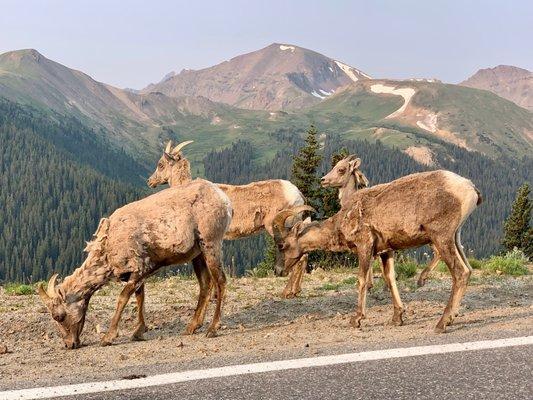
(137, 337)
(138, 334)
(355, 321)
(289, 295)
(397, 321)
(440, 329)
(211, 333)
(105, 343)
(421, 282)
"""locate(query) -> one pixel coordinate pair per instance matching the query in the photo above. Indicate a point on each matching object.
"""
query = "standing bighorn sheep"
(173, 226)
(418, 209)
(348, 178)
(254, 205)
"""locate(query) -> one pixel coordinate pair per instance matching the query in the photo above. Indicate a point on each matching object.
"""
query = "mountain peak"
(279, 76)
(23, 54)
(507, 81)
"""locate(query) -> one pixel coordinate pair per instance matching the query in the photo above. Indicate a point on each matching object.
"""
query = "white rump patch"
(464, 190)
(283, 47)
(292, 194)
(406, 93)
(227, 203)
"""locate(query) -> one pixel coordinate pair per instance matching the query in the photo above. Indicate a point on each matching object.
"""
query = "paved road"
(489, 373)
(484, 374)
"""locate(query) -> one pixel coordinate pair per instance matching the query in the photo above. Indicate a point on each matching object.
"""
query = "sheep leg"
(387, 260)
(202, 274)
(141, 325)
(460, 274)
(123, 299)
(365, 258)
(370, 278)
(212, 258)
(430, 267)
(294, 284)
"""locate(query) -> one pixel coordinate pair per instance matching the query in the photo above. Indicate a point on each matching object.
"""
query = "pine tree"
(527, 243)
(516, 228)
(267, 265)
(305, 167)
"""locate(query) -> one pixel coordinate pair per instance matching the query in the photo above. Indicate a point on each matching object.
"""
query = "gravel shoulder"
(257, 325)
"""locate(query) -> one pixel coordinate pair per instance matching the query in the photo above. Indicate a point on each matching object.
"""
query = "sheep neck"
(345, 192)
(179, 175)
(87, 279)
(320, 236)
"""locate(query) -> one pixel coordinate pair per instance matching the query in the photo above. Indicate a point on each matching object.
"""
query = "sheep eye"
(160, 165)
(342, 171)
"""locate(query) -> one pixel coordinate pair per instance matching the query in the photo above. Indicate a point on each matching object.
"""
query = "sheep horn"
(278, 223)
(181, 146)
(169, 146)
(51, 288)
(351, 157)
(42, 293)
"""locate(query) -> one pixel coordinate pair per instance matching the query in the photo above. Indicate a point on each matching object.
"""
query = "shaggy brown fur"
(173, 226)
(433, 205)
(254, 204)
(347, 177)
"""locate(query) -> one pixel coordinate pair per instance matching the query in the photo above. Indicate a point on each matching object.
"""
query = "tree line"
(59, 177)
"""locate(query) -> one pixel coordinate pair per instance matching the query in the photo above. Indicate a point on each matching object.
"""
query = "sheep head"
(287, 228)
(340, 175)
(67, 311)
(172, 167)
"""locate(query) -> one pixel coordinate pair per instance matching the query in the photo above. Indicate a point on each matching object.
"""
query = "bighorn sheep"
(418, 209)
(170, 227)
(347, 177)
(254, 204)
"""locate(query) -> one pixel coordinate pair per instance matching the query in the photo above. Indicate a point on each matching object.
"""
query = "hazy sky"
(132, 43)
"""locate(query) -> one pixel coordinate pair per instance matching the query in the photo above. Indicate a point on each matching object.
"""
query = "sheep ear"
(307, 221)
(355, 164)
(61, 293)
(169, 156)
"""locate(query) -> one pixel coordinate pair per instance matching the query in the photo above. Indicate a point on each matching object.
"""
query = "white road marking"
(233, 370)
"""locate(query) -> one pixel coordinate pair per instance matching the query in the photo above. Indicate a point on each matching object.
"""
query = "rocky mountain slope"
(413, 115)
(278, 77)
(511, 83)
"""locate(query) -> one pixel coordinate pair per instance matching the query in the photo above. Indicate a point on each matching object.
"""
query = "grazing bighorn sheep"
(347, 177)
(418, 209)
(173, 226)
(254, 205)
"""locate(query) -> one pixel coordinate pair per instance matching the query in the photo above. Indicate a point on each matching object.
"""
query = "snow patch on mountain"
(347, 70)
(317, 95)
(326, 93)
(406, 93)
(283, 48)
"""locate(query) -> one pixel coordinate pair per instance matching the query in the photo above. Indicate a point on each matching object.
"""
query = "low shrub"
(475, 263)
(262, 270)
(16, 289)
(330, 286)
(406, 269)
(513, 263)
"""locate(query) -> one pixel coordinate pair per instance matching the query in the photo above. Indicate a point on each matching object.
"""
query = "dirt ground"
(255, 321)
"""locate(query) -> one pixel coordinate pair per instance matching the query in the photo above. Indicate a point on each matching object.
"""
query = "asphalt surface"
(487, 374)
